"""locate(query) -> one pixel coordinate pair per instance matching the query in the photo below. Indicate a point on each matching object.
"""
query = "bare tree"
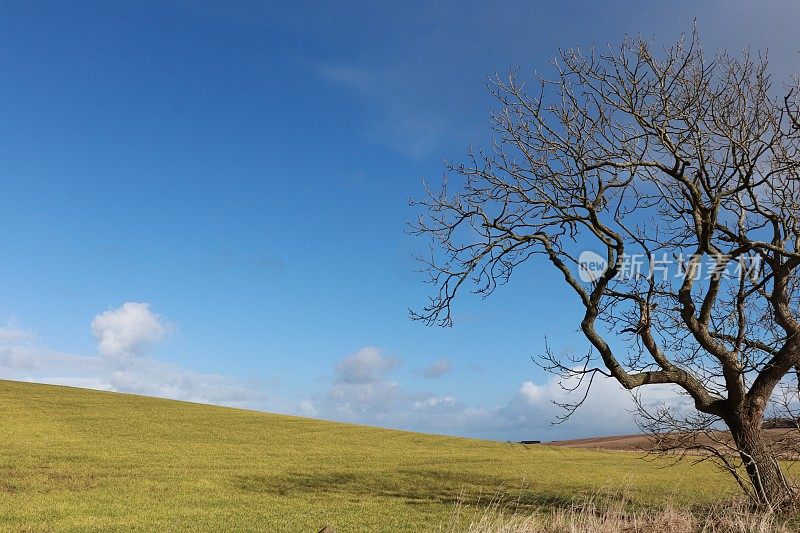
(662, 156)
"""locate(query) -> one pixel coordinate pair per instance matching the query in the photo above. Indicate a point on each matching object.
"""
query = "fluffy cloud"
(367, 365)
(437, 369)
(361, 389)
(127, 331)
(124, 337)
(608, 410)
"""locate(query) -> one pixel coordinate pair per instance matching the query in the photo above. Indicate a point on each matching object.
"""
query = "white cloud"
(12, 334)
(364, 387)
(608, 409)
(127, 331)
(167, 380)
(437, 369)
(124, 337)
(531, 392)
(362, 391)
(367, 365)
(436, 402)
(368, 401)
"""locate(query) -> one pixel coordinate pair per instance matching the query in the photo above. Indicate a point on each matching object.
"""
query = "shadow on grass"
(43, 479)
(414, 486)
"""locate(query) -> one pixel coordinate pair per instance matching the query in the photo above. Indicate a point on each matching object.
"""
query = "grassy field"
(73, 459)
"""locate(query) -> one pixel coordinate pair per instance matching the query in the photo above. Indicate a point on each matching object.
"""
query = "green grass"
(73, 459)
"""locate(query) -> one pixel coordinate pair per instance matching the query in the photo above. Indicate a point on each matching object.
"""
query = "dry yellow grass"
(589, 517)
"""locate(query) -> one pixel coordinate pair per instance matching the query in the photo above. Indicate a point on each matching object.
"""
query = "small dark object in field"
(327, 529)
(530, 442)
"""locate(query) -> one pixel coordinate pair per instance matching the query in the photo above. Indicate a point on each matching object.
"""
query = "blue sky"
(244, 168)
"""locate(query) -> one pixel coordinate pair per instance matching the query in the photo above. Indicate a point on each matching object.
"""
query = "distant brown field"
(788, 441)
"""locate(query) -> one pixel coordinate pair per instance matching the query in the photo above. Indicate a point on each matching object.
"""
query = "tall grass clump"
(590, 516)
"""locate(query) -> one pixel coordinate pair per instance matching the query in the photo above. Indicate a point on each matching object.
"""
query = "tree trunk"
(770, 487)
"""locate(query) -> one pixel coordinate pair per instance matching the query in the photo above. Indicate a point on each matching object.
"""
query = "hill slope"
(88, 460)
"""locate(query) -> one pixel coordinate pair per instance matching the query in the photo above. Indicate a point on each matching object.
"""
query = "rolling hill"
(74, 459)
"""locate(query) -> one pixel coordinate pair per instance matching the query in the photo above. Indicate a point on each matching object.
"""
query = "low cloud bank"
(366, 387)
(124, 338)
(378, 398)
